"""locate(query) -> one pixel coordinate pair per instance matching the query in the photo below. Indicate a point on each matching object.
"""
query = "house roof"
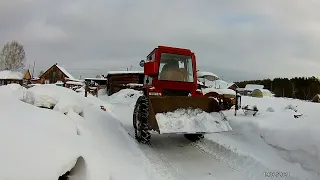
(65, 72)
(11, 75)
(252, 87)
(123, 72)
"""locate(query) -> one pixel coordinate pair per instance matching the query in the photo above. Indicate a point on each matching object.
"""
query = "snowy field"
(47, 131)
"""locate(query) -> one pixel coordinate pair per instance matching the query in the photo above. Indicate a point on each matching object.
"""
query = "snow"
(44, 143)
(207, 75)
(271, 141)
(218, 84)
(252, 87)
(66, 72)
(11, 75)
(265, 92)
(134, 84)
(191, 121)
(75, 83)
(219, 91)
(99, 144)
(125, 96)
(103, 79)
(125, 72)
(275, 138)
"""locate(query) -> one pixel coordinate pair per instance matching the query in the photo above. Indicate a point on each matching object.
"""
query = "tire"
(194, 137)
(140, 120)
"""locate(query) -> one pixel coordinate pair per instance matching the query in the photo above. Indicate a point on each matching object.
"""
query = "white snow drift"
(38, 143)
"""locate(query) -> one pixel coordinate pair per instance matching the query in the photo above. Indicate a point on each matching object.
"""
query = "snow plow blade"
(186, 115)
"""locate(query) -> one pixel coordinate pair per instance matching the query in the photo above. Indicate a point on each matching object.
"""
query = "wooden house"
(26, 76)
(117, 80)
(10, 77)
(54, 74)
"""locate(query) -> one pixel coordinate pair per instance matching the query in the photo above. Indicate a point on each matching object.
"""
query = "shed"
(316, 98)
(10, 77)
(251, 87)
(54, 74)
(261, 93)
(117, 80)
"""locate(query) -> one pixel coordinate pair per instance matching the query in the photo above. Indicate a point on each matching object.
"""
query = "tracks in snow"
(174, 157)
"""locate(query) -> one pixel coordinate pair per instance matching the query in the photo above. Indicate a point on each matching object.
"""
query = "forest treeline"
(304, 88)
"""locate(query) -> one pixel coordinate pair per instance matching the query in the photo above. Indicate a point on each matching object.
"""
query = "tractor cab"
(172, 70)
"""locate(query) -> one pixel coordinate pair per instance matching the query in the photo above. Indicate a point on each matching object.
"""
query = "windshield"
(175, 67)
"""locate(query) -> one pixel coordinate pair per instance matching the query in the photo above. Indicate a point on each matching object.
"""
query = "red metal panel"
(151, 68)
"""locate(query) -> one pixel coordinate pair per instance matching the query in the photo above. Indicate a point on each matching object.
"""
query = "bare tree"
(12, 56)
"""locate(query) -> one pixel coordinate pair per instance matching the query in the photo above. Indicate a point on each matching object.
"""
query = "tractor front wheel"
(140, 120)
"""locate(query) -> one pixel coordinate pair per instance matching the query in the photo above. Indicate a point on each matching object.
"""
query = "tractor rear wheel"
(194, 137)
(140, 120)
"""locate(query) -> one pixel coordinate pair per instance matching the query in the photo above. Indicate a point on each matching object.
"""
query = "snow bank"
(45, 144)
(13, 90)
(35, 143)
(191, 121)
(61, 98)
(125, 96)
(275, 138)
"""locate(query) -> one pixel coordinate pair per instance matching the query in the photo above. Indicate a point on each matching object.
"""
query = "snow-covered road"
(175, 157)
(241, 154)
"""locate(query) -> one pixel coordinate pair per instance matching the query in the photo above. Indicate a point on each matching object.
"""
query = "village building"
(117, 80)
(55, 74)
(11, 77)
(26, 76)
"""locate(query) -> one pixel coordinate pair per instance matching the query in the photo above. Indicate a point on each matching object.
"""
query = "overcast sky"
(238, 40)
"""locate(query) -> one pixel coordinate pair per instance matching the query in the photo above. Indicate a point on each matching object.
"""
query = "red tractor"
(171, 83)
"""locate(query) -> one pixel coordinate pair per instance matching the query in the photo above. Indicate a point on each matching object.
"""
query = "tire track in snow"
(161, 165)
(176, 157)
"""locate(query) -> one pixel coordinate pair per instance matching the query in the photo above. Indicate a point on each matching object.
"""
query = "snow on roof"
(95, 79)
(75, 83)
(11, 75)
(65, 72)
(218, 84)
(125, 72)
(207, 75)
(252, 87)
